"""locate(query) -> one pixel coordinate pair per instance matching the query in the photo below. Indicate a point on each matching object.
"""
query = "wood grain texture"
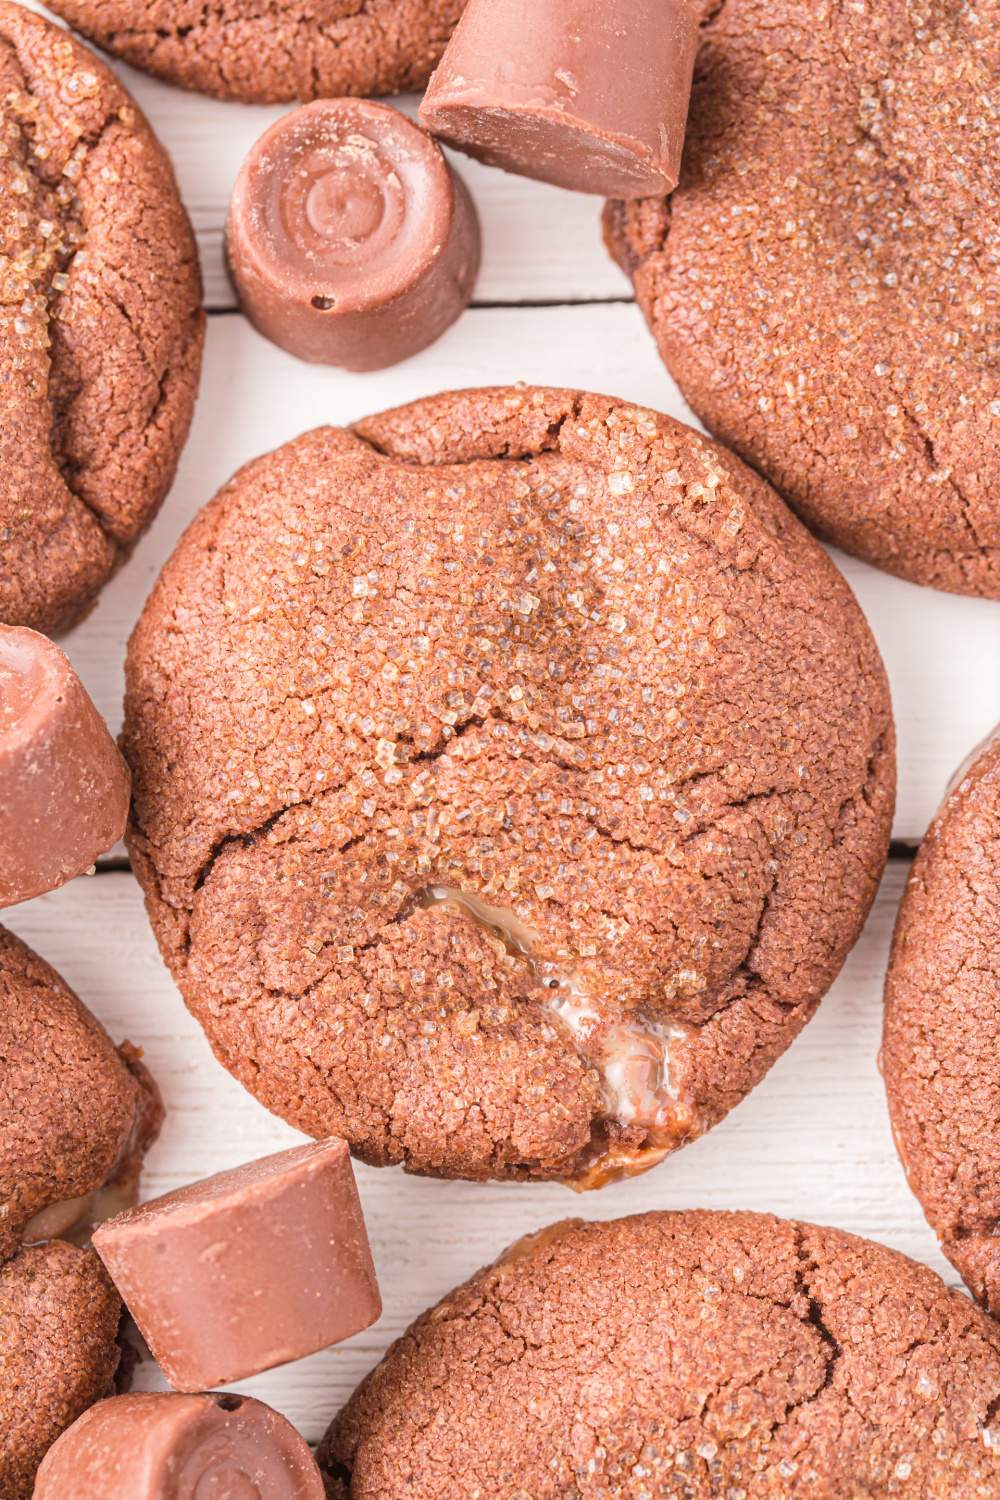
(942, 653)
(812, 1141)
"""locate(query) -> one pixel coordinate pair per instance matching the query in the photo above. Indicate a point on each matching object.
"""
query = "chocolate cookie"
(58, 1352)
(100, 323)
(823, 282)
(942, 1024)
(512, 775)
(271, 53)
(76, 1116)
(682, 1355)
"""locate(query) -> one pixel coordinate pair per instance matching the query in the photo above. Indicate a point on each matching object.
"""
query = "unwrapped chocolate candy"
(583, 93)
(350, 240)
(165, 1446)
(64, 787)
(249, 1269)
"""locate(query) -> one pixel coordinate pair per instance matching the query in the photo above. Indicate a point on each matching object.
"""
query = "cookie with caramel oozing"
(516, 786)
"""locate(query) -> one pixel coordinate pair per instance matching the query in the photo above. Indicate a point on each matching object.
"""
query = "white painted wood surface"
(813, 1140)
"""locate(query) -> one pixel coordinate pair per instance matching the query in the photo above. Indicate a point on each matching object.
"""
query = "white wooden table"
(813, 1140)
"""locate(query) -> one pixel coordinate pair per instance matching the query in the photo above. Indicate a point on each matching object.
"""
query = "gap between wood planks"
(527, 304)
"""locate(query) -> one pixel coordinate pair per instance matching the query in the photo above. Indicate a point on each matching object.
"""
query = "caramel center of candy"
(632, 1056)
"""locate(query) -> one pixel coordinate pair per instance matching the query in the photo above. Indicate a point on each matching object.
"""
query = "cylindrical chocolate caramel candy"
(587, 94)
(249, 1269)
(164, 1446)
(350, 240)
(64, 788)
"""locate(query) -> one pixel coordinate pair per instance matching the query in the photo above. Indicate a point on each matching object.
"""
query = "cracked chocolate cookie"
(273, 52)
(942, 1024)
(100, 323)
(682, 1355)
(59, 1352)
(76, 1116)
(512, 774)
(823, 283)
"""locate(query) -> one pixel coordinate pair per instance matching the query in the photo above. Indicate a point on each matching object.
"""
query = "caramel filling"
(75, 1218)
(632, 1057)
(59, 1219)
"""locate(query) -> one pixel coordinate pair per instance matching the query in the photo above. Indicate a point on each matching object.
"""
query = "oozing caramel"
(631, 1055)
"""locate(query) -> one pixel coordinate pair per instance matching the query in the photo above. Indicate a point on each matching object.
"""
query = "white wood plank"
(942, 653)
(540, 244)
(812, 1141)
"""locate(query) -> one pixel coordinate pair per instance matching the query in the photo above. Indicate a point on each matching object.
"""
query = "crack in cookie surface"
(630, 1056)
(555, 653)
